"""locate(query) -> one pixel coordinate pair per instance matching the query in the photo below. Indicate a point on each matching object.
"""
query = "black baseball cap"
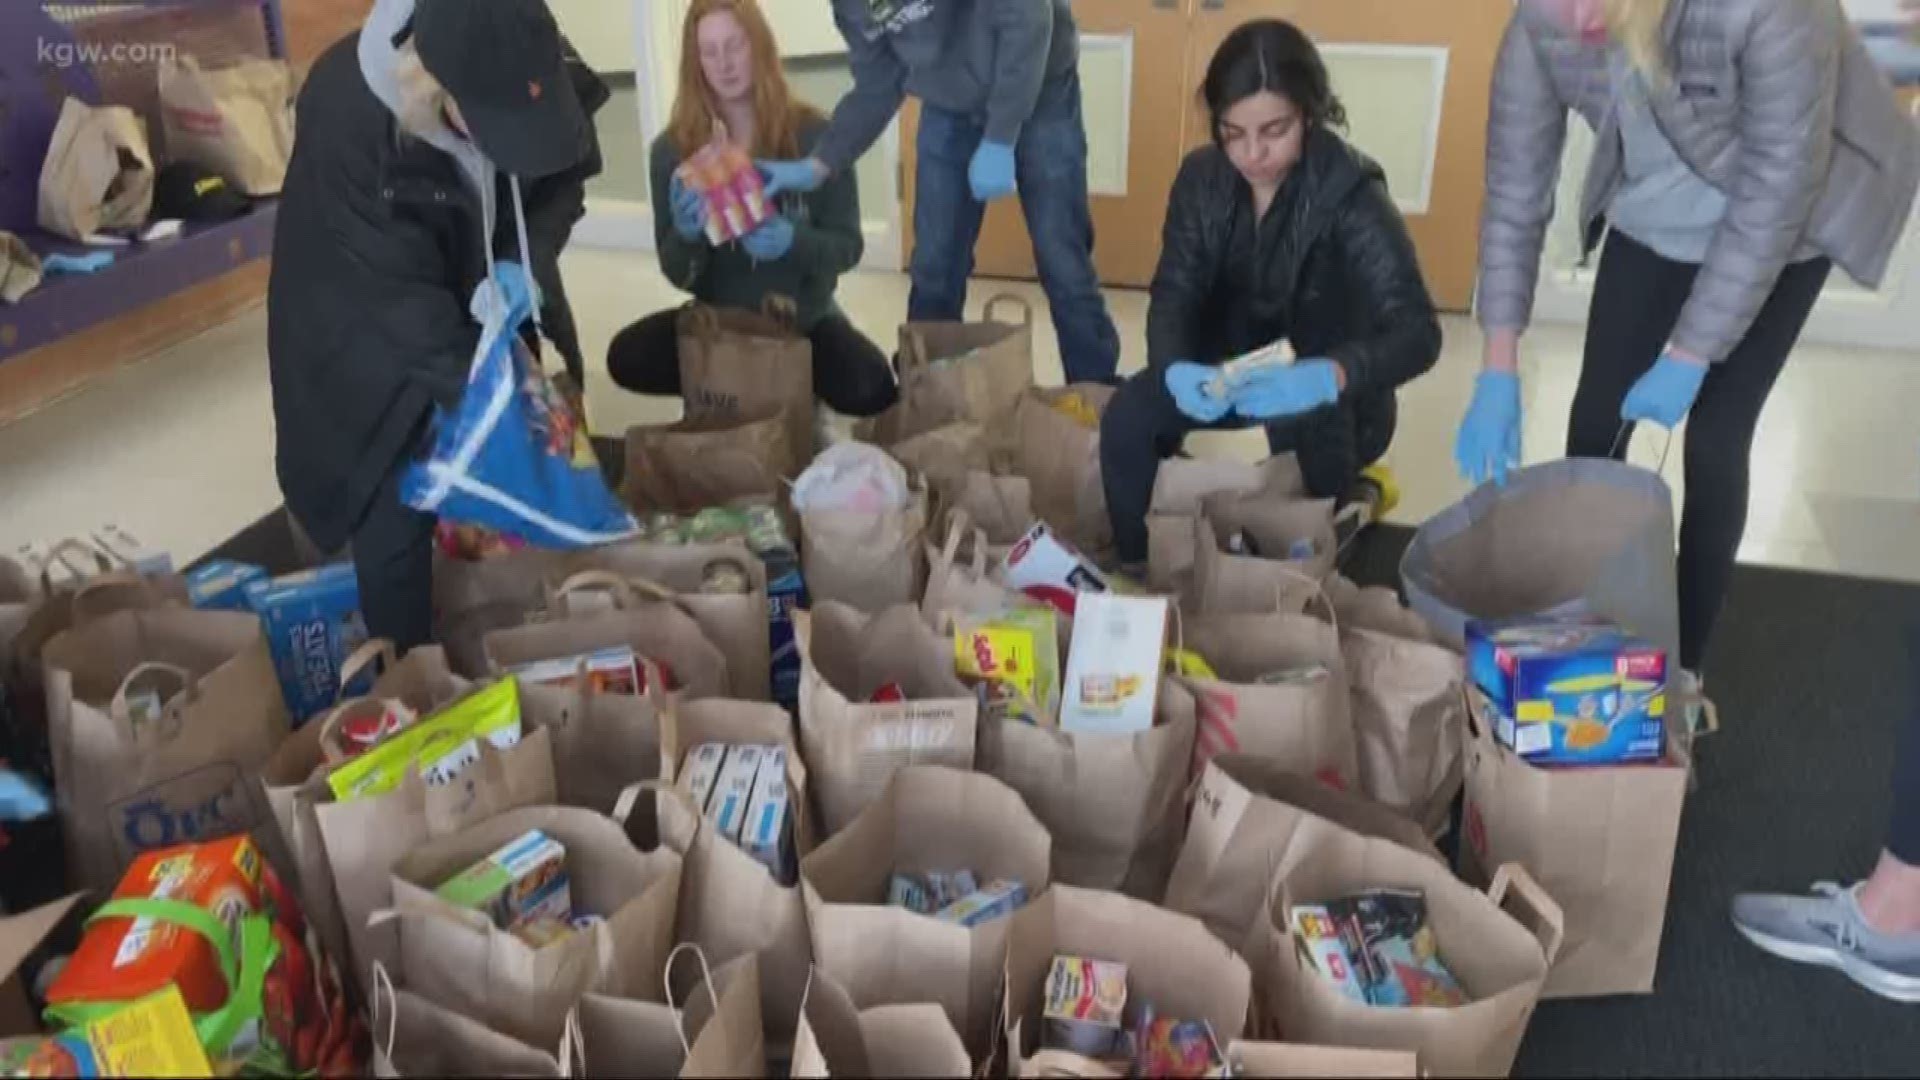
(190, 192)
(504, 64)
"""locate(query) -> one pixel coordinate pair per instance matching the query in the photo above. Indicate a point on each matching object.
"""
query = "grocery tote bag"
(699, 462)
(951, 371)
(160, 722)
(1579, 536)
(738, 365)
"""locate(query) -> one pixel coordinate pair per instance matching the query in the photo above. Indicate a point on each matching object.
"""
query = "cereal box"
(221, 585)
(1113, 666)
(313, 622)
(984, 905)
(1570, 692)
(523, 883)
(727, 807)
(1084, 1005)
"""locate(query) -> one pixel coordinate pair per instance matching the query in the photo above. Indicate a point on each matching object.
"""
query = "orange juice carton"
(1113, 666)
(522, 883)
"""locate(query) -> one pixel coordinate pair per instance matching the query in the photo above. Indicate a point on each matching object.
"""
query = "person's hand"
(990, 173)
(1489, 440)
(689, 210)
(800, 176)
(1191, 385)
(771, 241)
(1665, 394)
(1269, 393)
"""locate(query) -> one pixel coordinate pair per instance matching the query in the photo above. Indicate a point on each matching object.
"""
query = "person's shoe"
(1829, 929)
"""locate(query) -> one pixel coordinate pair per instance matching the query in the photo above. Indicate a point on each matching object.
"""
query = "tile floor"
(180, 448)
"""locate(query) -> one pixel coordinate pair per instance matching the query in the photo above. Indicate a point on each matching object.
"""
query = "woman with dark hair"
(1279, 230)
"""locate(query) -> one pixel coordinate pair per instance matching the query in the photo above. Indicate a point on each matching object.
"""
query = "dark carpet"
(1810, 675)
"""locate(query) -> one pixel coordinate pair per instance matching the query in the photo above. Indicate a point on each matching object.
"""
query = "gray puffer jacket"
(1774, 102)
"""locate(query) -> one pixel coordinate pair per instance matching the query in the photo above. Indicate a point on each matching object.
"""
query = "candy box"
(1332, 948)
(1083, 1006)
(1050, 570)
(1017, 654)
(221, 585)
(522, 883)
(1570, 692)
(312, 620)
(1113, 666)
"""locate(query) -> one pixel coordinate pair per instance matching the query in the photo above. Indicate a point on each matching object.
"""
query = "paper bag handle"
(189, 689)
(361, 658)
(383, 991)
(677, 826)
(1018, 302)
(77, 547)
(622, 589)
(781, 311)
(1511, 881)
(573, 1045)
(706, 975)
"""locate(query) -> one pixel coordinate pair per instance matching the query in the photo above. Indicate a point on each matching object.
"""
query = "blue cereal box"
(313, 622)
(1570, 692)
(221, 585)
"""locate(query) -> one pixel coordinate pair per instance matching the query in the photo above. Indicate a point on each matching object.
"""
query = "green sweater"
(826, 243)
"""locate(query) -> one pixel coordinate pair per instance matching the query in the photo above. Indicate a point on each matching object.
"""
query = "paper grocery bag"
(707, 461)
(1057, 447)
(1114, 804)
(1287, 1060)
(928, 819)
(954, 371)
(871, 561)
(129, 780)
(1601, 839)
(1179, 490)
(472, 598)
(48, 609)
(740, 365)
(1226, 582)
(837, 1039)
(657, 625)
(943, 454)
(1246, 814)
(1172, 962)
(855, 745)
(1302, 724)
(737, 623)
(615, 1037)
(235, 121)
(458, 957)
(413, 1037)
(603, 743)
(999, 506)
(1500, 959)
(98, 172)
(1409, 719)
(969, 587)
(731, 905)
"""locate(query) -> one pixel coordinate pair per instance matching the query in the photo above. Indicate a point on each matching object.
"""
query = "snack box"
(610, 671)
(439, 745)
(153, 1036)
(1113, 666)
(985, 905)
(767, 832)
(221, 585)
(910, 891)
(1084, 1005)
(1179, 1049)
(522, 883)
(126, 957)
(928, 893)
(1330, 948)
(727, 807)
(313, 622)
(1017, 654)
(701, 771)
(1048, 569)
(130, 551)
(1570, 692)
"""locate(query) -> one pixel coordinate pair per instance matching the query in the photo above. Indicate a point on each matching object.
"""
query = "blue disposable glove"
(801, 176)
(1665, 393)
(771, 241)
(991, 172)
(1269, 393)
(1191, 387)
(689, 210)
(1489, 440)
(21, 799)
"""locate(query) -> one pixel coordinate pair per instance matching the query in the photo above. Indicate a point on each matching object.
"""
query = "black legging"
(1903, 833)
(850, 373)
(1637, 297)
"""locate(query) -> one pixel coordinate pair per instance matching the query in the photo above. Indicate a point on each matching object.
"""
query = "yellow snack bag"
(1018, 650)
(440, 743)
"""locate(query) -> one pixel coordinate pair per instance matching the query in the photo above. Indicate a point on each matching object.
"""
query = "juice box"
(984, 905)
(767, 834)
(313, 622)
(1017, 653)
(1048, 569)
(701, 771)
(1113, 667)
(153, 1036)
(613, 670)
(524, 882)
(125, 957)
(727, 807)
(221, 585)
(1570, 692)
(1083, 1006)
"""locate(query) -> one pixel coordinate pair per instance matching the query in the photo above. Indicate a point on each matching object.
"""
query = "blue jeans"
(1051, 172)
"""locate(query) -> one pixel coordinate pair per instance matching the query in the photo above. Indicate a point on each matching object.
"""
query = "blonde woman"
(445, 135)
(1745, 147)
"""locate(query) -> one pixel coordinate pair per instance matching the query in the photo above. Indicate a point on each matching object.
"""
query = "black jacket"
(375, 255)
(1331, 268)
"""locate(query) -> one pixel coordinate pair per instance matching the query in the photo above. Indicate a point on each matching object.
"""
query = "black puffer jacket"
(1331, 268)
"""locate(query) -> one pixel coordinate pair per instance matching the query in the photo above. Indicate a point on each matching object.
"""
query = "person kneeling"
(1277, 230)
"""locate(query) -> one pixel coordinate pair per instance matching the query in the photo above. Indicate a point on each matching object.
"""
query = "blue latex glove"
(771, 241)
(1270, 393)
(1190, 383)
(797, 176)
(1665, 394)
(1489, 440)
(91, 263)
(990, 173)
(21, 799)
(689, 210)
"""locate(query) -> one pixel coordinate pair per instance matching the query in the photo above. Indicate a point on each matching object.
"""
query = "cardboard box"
(1050, 570)
(610, 671)
(312, 620)
(1085, 1003)
(767, 834)
(727, 807)
(1016, 655)
(1113, 666)
(1571, 692)
(221, 585)
(153, 1036)
(701, 771)
(523, 883)
(999, 898)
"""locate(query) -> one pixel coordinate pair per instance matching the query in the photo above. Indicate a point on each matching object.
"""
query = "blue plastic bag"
(512, 456)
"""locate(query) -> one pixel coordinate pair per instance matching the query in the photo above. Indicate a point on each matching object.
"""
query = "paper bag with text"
(740, 365)
(234, 121)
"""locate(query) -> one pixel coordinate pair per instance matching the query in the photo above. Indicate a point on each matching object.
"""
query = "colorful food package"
(439, 746)
(1084, 1007)
(980, 906)
(474, 543)
(733, 791)
(930, 892)
(734, 191)
(1016, 654)
(1113, 666)
(614, 670)
(221, 585)
(1050, 570)
(1178, 1049)
(153, 1036)
(767, 832)
(361, 725)
(313, 622)
(523, 882)
(1379, 948)
(1570, 692)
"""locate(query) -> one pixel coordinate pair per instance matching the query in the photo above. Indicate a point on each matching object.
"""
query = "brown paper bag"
(20, 270)
(735, 622)
(655, 624)
(731, 905)
(1603, 839)
(1000, 506)
(1246, 812)
(928, 819)
(1179, 490)
(603, 743)
(1114, 804)
(618, 1037)
(871, 561)
(706, 461)
(944, 454)
(1303, 725)
(1224, 582)
(1172, 962)
(1500, 960)
(837, 1039)
(1061, 456)
(127, 781)
(1287, 1060)
(235, 121)
(48, 609)
(970, 587)
(458, 957)
(959, 371)
(472, 598)
(1409, 720)
(854, 744)
(740, 365)
(98, 172)
(413, 1037)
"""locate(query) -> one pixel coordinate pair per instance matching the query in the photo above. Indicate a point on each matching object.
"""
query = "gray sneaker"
(1828, 929)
